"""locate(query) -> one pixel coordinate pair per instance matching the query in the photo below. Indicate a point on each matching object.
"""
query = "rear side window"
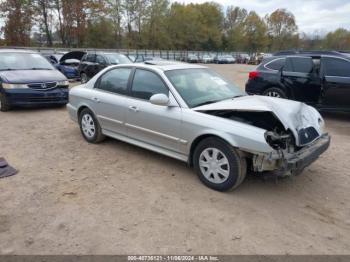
(276, 64)
(115, 81)
(298, 64)
(336, 67)
(147, 84)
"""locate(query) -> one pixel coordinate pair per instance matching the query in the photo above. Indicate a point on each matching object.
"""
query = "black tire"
(4, 106)
(97, 134)
(275, 92)
(237, 165)
(84, 78)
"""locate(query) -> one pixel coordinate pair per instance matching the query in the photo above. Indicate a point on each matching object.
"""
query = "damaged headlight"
(278, 141)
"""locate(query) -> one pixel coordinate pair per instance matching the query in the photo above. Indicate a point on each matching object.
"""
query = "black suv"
(319, 78)
(92, 63)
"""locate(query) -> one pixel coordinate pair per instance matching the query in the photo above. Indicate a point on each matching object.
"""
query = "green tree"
(234, 27)
(282, 29)
(255, 33)
(18, 21)
(338, 40)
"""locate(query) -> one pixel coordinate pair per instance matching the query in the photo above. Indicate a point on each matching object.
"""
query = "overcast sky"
(311, 15)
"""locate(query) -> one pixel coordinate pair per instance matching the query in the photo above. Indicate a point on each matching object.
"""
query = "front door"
(152, 124)
(336, 83)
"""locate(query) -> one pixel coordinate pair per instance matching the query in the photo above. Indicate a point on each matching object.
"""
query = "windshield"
(118, 59)
(201, 86)
(23, 61)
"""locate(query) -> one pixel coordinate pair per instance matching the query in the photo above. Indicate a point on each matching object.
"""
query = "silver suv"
(191, 113)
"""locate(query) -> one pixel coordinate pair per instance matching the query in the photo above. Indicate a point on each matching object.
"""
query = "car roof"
(13, 50)
(165, 65)
(311, 53)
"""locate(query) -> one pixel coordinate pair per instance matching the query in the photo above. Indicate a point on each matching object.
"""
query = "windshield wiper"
(208, 102)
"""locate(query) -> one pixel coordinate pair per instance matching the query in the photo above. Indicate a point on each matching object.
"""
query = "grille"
(43, 86)
(307, 135)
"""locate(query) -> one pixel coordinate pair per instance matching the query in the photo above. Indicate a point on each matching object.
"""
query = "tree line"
(155, 24)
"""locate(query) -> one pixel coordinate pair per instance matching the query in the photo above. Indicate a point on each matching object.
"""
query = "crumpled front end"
(286, 162)
(293, 130)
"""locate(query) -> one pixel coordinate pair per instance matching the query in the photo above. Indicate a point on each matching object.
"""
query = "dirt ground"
(71, 197)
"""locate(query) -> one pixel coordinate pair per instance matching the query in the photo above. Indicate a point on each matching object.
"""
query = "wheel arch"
(81, 108)
(201, 137)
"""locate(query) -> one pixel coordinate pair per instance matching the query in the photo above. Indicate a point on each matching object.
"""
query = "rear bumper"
(32, 97)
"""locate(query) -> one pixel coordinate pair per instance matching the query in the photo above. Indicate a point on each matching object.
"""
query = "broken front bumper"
(283, 162)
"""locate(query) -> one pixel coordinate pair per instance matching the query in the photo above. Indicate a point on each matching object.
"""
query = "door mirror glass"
(159, 99)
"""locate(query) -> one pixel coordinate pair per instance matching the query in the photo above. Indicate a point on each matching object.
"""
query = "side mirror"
(159, 99)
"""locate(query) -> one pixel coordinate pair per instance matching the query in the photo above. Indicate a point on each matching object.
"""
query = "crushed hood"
(293, 115)
(73, 55)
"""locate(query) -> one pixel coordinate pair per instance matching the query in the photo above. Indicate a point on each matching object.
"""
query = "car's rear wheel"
(275, 92)
(89, 127)
(218, 165)
(84, 78)
(4, 106)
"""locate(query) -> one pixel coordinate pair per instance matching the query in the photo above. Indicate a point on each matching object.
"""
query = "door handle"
(134, 108)
(95, 99)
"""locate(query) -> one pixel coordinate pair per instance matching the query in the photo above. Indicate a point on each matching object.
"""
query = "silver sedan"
(191, 113)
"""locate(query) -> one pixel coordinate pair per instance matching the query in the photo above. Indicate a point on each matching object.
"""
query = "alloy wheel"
(273, 94)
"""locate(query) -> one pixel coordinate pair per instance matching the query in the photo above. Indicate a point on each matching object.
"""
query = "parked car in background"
(67, 63)
(92, 63)
(242, 58)
(206, 59)
(143, 58)
(321, 79)
(224, 59)
(191, 58)
(28, 79)
(191, 113)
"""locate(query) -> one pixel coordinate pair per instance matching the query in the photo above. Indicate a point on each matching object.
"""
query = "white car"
(191, 113)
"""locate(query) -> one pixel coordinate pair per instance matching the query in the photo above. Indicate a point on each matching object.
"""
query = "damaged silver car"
(191, 113)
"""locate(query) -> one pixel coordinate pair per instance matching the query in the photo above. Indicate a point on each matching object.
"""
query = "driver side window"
(147, 84)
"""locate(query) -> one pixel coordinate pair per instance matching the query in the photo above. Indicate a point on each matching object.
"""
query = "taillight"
(253, 74)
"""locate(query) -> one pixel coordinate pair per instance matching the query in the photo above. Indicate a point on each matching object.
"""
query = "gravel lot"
(71, 197)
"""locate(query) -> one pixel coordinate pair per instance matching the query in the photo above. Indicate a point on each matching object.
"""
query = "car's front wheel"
(275, 92)
(89, 127)
(4, 106)
(218, 165)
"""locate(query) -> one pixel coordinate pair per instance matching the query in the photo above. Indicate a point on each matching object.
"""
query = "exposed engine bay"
(276, 136)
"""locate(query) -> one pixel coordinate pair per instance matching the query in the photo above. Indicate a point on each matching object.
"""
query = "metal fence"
(164, 54)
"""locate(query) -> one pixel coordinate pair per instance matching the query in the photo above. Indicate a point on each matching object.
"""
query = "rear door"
(336, 82)
(110, 95)
(301, 79)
